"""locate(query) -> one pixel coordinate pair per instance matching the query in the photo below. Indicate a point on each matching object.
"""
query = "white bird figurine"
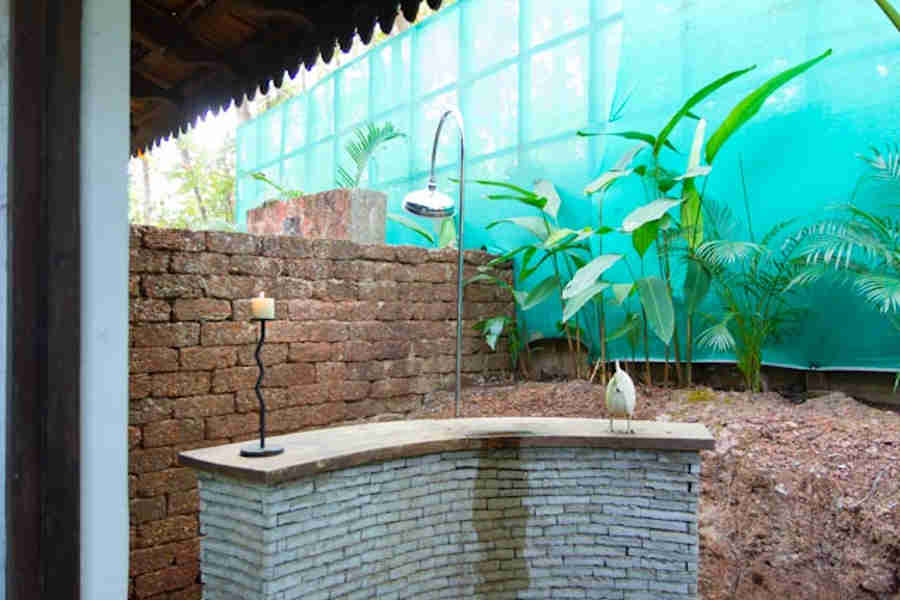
(620, 397)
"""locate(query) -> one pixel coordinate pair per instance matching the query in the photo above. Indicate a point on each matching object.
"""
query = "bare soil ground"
(797, 501)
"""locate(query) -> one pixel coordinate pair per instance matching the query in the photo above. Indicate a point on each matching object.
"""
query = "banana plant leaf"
(579, 300)
(648, 212)
(535, 225)
(647, 138)
(447, 234)
(544, 189)
(644, 236)
(691, 217)
(541, 292)
(750, 105)
(631, 325)
(657, 303)
(619, 170)
(698, 97)
(585, 277)
(492, 329)
(412, 226)
(621, 292)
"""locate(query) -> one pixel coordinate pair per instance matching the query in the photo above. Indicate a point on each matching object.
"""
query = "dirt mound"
(797, 500)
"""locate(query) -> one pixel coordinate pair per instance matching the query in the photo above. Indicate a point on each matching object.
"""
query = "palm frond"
(885, 166)
(718, 337)
(720, 253)
(368, 139)
(880, 289)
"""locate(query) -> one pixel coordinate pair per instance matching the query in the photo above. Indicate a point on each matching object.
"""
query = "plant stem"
(890, 11)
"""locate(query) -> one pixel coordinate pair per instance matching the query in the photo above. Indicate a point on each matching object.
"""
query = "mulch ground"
(798, 500)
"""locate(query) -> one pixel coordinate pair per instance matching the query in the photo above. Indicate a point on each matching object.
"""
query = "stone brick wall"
(363, 333)
(355, 214)
(491, 523)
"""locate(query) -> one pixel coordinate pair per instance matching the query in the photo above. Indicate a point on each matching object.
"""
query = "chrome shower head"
(429, 203)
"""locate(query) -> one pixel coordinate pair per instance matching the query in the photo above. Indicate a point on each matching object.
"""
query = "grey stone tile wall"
(512, 523)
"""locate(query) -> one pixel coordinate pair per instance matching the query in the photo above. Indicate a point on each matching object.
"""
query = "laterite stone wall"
(363, 333)
(491, 523)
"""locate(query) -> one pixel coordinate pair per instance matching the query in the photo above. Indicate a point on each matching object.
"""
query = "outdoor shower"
(432, 204)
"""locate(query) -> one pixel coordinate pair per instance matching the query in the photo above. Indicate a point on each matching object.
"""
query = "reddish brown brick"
(287, 246)
(353, 270)
(134, 437)
(187, 552)
(167, 433)
(363, 409)
(290, 287)
(380, 290)
(307, 331)
(232, 243)
(437, 364)
(206, 358)
(154, 459)
(310, 268)
(157, 483)
(141, 309)
(184, 503)
(202, 309)
(314, 310)
(349, 390)
(204, 406)
(277, 398)
(142, 260)
(204, 263)
(174, 239)
(289, 374)
(259, 266)
(192, 592)
(228, 426)
(149, 410)
(312, 351)
(377, 252)
(394, 272)
(332, 373)
(410, 254)
(335, 291)
(232, 287)
(166, 334)
(435, 272)
(271, 354)
(151, 559)
(142, 510)
(324, 414)
(172, 286)
(403, 404)
(134, 285)
(229, 333)
(235, 378)
(183, 383)
(385, 388)
(368, 331)
(171, 578)
(152, 360)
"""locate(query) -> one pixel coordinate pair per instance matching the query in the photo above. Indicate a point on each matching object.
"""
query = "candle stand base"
(256, 451)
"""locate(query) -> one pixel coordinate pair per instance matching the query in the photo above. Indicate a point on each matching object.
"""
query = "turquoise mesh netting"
(528, 73)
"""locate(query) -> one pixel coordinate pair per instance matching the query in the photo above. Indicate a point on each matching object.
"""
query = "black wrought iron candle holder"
(258, 450)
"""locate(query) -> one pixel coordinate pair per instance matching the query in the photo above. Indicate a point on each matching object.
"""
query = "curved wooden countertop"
(321, 450)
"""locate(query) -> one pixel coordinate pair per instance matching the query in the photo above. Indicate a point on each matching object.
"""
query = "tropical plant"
(859, 248)
(652, 222)
(758, 304)
(284, 193)
(361, 150)
(444, 237)
(564, 249)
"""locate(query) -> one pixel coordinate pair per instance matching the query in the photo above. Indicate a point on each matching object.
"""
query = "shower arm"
(432, 184)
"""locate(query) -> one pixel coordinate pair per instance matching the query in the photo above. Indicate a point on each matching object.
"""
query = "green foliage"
(206, 183)
(283, 195)
(361, 150)
(757, 302)
(445, 237)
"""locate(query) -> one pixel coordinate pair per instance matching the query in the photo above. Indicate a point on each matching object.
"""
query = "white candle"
(262, 307)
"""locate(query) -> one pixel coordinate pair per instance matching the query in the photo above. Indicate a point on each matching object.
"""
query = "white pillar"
(104, 296)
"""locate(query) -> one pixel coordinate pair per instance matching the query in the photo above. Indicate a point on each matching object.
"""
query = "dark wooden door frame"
(43, 495)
